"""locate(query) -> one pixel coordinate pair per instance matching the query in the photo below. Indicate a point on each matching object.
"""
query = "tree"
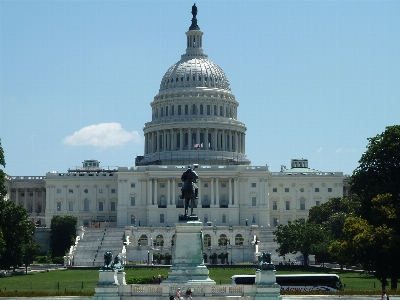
(378, 176)
(3, 189)
(30, 251)
(333, 213)
(62, 236)
(379, 170)
(372, 247)
(300, 237)
(2, 243)
(17, 231)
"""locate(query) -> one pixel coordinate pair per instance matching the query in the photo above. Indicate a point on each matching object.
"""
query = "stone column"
(155, 192)
(199, 202)
(169, 191)
(206, 139)
(230, 191)
(235, 191)
(150, 191)
(173, 192)
(181, 139)
(217, 191)
(190, 142)
(212, 191)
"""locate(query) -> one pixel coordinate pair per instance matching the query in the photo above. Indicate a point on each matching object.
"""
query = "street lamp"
(159, 278)
(247, 220)
(148, 256)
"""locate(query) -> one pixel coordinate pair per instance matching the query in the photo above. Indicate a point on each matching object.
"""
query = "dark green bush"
(139, 280)
(58, 260)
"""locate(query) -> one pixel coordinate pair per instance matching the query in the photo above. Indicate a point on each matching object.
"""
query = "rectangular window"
(316, 190)
(208, 110)
(317, 203)
(223, 184)
(287, 203)
(329, 190)
(253, 201)
(205, 184)
(133, 219)
(70, 206)
(100, 206)
(58, 191)
(161, 218)
(39, 194)
(275, 222)
(162, 185)
(180, 184)
(71, 191)
(302, 220)
(22, 194)
(186, 109)
(274, 190)
(224, 218)
(253, 218)
(205, 218)
(113, 206)
(132, 184)
(302, 204)
(253, 184)
(112, 191)
(275, 205)
(179, 110)
(58, 206)
(30, 194)
(100, 191)
(286, 190)
(133, 200)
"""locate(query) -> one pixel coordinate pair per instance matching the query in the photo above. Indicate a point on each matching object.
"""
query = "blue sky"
(314, 79)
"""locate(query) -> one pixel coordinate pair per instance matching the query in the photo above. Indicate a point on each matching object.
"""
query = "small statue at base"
(117, 265)
(265, 261)
(108, 261)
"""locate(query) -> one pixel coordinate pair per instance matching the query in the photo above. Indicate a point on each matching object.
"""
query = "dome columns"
(183, 138)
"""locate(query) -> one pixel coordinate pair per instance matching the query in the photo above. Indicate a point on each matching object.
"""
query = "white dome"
(194, 72)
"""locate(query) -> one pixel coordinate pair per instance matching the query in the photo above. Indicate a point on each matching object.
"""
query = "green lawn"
(85, 280)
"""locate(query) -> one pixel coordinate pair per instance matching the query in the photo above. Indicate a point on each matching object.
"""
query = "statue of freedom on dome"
(194, 10)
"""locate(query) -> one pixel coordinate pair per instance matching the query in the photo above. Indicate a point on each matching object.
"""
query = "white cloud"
(340, 150)
(319, 150)
(104, 135)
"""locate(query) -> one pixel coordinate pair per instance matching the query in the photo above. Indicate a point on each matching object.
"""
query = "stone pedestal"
(107, 288)
(188, 264)
(121, 278)
(266, 286)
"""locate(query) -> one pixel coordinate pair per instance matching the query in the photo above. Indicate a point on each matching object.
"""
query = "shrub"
(58, 260)
(139, 280)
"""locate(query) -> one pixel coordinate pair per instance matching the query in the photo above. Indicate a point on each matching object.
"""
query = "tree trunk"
(305, 259)
(393, 282)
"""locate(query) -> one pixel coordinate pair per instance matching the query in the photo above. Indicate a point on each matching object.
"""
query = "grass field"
(85, 280)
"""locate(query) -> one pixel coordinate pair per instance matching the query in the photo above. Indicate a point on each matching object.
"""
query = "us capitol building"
(194, 120)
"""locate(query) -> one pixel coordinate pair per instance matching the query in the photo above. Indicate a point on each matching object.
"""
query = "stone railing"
(138, 290)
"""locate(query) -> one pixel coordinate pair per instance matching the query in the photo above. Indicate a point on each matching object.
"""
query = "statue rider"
(189, 173)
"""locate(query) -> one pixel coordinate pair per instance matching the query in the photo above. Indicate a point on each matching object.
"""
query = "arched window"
(143, 240)
(239, 239)
(159, 241)
(223, 240)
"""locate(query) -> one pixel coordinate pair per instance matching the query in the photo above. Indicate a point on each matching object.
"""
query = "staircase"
(95, 242)
(266, 243)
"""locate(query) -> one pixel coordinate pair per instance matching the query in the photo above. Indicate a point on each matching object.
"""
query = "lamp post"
(148, 256)
(159, 278)
(209, 258)
(247, 220)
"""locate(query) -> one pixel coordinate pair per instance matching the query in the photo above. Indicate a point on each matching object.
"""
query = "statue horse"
(189, 195)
